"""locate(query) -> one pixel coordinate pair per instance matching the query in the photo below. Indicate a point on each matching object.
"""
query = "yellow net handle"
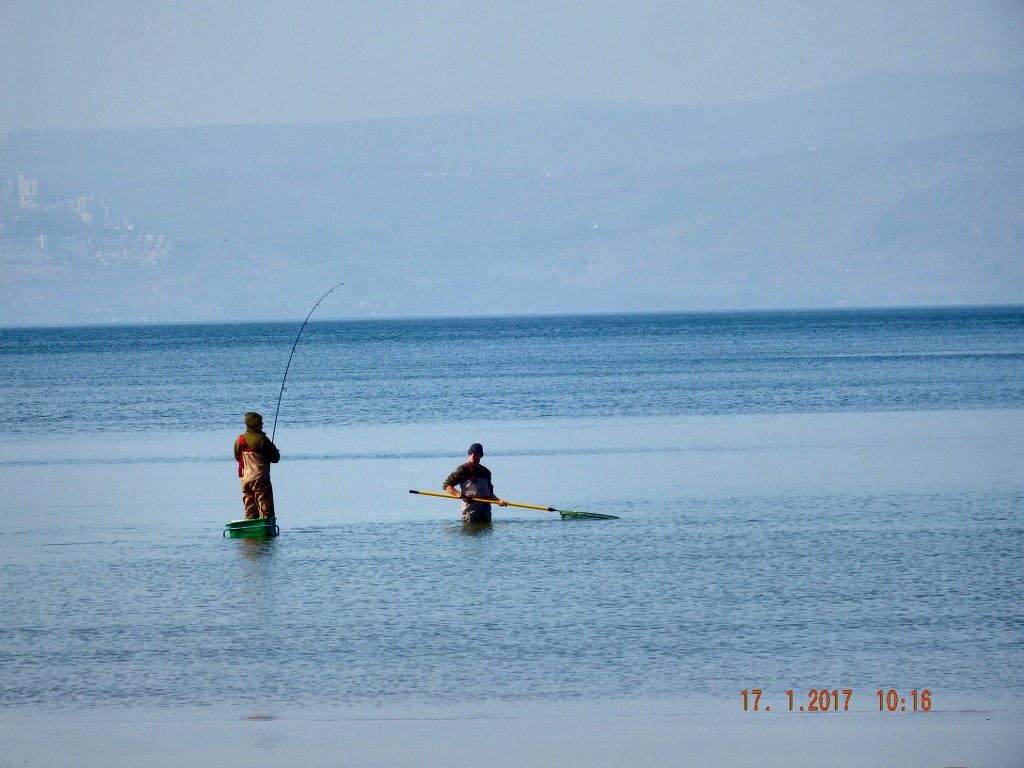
(485, 501)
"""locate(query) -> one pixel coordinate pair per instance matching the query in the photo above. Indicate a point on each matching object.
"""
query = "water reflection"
(258, 574)
(472, 529)
(257, 549)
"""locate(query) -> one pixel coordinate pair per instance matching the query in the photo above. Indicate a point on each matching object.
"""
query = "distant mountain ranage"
(886, 190)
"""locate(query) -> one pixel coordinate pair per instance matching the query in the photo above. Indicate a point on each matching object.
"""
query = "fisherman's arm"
(451, 489)
(455, 478)
(270, 451)
(501, 502)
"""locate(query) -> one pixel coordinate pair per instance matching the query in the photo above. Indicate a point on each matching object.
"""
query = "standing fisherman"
(475, 481)
(254, 453)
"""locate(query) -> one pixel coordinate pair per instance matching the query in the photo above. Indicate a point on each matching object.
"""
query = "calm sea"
(807, 499)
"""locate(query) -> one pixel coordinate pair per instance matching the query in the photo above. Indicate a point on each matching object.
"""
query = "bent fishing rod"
(283, 380)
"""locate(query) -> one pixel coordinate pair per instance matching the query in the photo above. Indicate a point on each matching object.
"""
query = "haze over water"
(811, 499)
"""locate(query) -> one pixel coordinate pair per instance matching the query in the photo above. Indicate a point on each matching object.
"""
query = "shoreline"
(559, 737)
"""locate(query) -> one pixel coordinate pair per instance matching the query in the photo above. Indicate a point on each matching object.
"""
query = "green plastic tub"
(260, 528)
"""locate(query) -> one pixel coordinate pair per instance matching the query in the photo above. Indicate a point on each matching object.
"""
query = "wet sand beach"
(555, 738)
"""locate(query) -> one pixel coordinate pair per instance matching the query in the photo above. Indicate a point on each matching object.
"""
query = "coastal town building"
(36, 227)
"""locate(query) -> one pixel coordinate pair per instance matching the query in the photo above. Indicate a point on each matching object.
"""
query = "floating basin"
(259, 528)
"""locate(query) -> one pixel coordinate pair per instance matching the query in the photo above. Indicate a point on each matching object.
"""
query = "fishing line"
(283, 380)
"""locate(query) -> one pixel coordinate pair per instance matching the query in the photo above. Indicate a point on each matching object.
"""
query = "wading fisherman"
(255, 453)
(474, 480)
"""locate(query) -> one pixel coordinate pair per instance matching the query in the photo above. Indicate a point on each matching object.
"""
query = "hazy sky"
(71, 64)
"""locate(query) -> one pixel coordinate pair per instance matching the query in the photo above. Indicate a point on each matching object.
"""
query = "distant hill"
(888, 189)
(540, 136)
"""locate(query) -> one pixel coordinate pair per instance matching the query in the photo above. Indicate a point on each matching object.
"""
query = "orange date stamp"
(825, 700)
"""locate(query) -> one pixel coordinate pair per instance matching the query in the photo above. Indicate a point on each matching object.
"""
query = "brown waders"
(257, 492)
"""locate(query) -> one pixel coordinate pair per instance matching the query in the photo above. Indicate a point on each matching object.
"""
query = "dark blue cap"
(476, 448)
